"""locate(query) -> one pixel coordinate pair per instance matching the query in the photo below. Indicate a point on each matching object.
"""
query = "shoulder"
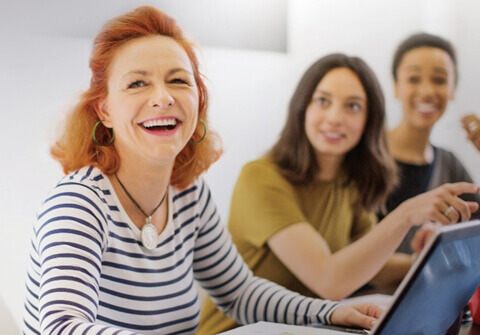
(193, 204)
(192, 201)
(87, 183)
(449, 167)
(447, 158)
(79, 200)
(193, 192)
(262, 170)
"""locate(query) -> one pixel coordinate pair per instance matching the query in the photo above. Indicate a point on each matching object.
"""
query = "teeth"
(333, 135)
(162, 122)
(425, 107)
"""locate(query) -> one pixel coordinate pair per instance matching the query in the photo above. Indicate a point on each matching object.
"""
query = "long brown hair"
(368, 165)
(75, 147)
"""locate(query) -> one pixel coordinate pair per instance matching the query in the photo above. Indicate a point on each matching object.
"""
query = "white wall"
(41, 76)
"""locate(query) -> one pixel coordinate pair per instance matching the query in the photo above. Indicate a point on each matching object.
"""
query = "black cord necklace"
(149, 231)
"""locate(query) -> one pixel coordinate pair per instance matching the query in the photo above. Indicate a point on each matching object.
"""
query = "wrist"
(400, 217)
(331, 318)
(404, 215)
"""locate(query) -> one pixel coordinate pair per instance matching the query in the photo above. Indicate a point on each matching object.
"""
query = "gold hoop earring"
(204, 132)
(112, 136)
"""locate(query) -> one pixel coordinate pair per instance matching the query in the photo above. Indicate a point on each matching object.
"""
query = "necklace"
(149, 231)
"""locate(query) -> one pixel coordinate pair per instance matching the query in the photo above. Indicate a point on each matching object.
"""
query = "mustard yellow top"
(263, 203)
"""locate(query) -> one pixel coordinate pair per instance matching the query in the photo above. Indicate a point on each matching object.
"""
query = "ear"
(102, 113)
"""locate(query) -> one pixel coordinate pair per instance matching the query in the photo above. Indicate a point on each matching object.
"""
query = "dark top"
(417, 179)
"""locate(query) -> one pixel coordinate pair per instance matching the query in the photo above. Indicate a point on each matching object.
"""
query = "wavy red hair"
(75, 147)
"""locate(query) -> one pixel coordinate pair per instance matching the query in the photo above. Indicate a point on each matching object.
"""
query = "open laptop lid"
(438, 286)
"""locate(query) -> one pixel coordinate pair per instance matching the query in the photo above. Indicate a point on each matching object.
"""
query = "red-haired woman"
(121, 238)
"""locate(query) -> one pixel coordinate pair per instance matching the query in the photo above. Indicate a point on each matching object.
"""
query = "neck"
(329, 166)
(410, 144)
(147, 184)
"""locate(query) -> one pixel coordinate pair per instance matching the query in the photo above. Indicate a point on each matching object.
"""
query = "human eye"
(180, 81)
(354, 107)
(439, 80)
(413, 79)
(321, 101)
(136, 84)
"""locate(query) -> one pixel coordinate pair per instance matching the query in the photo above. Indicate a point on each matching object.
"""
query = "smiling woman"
(121, 238)
(425, 72)
(153, 100)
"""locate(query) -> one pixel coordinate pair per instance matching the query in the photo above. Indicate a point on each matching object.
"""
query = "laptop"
(438, 286)
(430, 297)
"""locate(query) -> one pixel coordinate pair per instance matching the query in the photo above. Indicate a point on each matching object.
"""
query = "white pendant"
(149, 235)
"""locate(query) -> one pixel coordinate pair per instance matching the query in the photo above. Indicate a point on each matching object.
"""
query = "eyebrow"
(178, 69)
(441, 70)
(356, 97)
(413, 67)
(352, 97)
(435, 69)
(322, 92)
(148, 74)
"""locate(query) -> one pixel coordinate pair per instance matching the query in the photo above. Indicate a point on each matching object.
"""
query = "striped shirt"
(90, 274)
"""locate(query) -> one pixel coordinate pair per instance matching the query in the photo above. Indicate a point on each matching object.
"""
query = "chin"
(329, 151)
(163, 157)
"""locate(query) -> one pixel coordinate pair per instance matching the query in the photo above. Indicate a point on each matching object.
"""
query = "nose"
(426, 89)
(335, 115)
(161, 97)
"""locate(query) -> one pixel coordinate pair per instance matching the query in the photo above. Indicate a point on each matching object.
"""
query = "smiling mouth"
(333, 135)
(425, 108)
(160, 125)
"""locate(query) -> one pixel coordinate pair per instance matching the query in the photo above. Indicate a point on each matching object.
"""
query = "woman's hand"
(439, 205)
(471, 123)
(422, 236)
(356, 315)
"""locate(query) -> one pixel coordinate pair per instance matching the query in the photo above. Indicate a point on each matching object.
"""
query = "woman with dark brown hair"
(302, 216)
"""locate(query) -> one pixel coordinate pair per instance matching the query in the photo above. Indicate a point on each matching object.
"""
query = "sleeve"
(71, 238)
(263, 203)
(362, 224)
(222, 272)
(459, 173)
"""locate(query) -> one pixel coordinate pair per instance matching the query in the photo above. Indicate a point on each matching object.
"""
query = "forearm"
(358, 263)
(238, 293)
(66, 325)
(262, 300)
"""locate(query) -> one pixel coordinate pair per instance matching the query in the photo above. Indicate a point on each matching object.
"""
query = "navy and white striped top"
(89, 273)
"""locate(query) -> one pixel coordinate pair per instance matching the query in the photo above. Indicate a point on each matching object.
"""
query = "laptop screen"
(440, 286)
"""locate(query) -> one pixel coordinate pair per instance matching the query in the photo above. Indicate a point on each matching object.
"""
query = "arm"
(305, 253)
(396, 267)
(70, 237)
(248, 299)
(222, 273)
